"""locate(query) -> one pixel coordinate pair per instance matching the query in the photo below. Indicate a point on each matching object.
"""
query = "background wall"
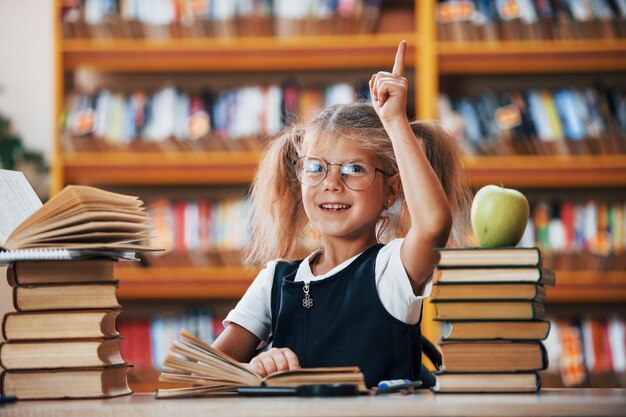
(27, 70)
(27, 80)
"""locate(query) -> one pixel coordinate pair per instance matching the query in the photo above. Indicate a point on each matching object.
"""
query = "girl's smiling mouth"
(334, 206)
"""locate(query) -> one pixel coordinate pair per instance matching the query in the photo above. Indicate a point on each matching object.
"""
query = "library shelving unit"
(429, 60)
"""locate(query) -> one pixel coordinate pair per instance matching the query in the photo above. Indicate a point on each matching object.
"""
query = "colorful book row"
(491, 20)
(219, 18)
(202, 119)
(146, 340)
(563, 121)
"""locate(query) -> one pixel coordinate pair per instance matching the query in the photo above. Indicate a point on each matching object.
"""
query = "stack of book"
(61, 342)
(492, 301)
(58, 258)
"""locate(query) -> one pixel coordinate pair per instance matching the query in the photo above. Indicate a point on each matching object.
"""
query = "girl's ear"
(394, 188)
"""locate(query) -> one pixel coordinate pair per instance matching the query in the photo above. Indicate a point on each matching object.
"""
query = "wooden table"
(571, 402)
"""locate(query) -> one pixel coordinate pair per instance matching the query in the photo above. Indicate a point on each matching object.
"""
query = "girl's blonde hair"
(278, 221)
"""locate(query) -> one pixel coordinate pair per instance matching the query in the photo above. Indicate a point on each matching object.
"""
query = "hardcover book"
(493, 356)
(209, 371)
(542, 276)
(512, 330)
(59, 272)
(60, 354)
(483, 257)
(77, 218)
(65, 297)
(489, 310)
(53, 325)
(522, 291)
(102, 382)
(447, 382)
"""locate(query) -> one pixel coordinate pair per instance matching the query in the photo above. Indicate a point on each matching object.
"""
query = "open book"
(209, 371)
(78, 218)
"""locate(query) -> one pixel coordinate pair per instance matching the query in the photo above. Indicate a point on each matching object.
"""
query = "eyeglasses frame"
(376, 169)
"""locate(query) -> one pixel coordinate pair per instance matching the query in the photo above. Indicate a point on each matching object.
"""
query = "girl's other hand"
(274, 360)
(389, 89)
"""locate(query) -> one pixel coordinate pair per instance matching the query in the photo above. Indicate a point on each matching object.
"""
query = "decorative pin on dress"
(307, 301)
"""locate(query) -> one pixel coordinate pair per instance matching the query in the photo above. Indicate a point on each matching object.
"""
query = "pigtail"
(443, 153)
(277, 216)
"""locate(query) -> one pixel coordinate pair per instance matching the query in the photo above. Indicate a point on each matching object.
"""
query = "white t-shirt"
(253, 312)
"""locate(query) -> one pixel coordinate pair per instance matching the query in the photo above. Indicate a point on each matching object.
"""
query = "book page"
(17, 201)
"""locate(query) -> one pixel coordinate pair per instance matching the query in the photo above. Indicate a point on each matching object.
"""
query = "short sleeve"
(253, 311)
(394, 287)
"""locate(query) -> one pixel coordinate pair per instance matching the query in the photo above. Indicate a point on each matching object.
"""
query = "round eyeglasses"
(356, 175)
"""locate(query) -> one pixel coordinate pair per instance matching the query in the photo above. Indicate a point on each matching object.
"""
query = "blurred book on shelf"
(586, 352)
(167, 19)
(579, 234)
(169, 119)
(564, 121)
(146, 339)
(496, 20)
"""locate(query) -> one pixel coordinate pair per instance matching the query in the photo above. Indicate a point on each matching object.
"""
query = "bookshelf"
(217, 282)
(428, 59)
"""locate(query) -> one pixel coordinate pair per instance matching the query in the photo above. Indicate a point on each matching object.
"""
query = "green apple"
(499, 216)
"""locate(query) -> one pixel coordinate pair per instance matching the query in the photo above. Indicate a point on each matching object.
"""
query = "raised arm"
(428, 207)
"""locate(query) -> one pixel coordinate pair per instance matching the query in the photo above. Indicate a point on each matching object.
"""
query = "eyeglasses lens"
(356, 175)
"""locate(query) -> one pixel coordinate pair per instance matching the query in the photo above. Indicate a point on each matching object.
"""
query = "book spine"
(4, 324)
(2, 365)
(15, 297)
(544, 356)
(538, 382)
(538, 311)
(12, 275)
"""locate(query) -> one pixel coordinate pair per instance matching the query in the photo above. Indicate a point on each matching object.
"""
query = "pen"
(388, 387)
(392, 382)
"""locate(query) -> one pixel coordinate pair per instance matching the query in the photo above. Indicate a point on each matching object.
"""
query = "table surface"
(553, 402)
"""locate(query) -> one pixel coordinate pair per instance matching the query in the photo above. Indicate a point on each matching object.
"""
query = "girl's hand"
(274, 360)
(389, 90)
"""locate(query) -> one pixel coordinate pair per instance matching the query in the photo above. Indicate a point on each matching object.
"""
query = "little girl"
(354, 301)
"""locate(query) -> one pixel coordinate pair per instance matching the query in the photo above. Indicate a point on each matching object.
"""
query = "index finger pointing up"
(398, 65)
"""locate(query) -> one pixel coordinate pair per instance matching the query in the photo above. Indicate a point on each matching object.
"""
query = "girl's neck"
(332, 255)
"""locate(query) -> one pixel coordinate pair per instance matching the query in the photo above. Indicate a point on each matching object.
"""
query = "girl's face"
(337, 211)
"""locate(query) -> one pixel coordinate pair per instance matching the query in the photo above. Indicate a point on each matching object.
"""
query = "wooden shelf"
(513, 57)
(238, 54)
(156, 168)
(548, 171)
(588, 287)
(232, 282)
(225, 282)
